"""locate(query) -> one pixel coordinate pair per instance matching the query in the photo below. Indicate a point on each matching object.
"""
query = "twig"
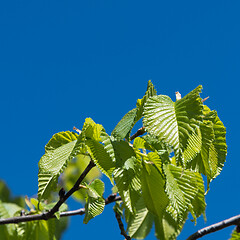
(139, 132)
(28, 218)
(203, 100)
(215, 227)
(121, 226)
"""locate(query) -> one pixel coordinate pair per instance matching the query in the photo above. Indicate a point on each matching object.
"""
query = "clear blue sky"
(63, 61)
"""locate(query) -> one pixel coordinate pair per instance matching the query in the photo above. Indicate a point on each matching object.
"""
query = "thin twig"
(203, 100)
(121, 226)
(215, 227)
(28, 218)
(139, 132)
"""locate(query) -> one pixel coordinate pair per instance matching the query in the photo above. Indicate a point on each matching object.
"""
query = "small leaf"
(151, 91)
(124, 127)
(60, 139)
(95, 203)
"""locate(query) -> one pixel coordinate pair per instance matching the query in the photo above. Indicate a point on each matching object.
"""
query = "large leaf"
(101, 157)
(101, 154)
(51, 166)
(183, 187)
(211, 158)
(127, 174)
(218, 148)
(173, 122)
(166, 228)
(140, 223)
(153, 192)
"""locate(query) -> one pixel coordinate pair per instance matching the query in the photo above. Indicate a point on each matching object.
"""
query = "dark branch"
(81, 211)
(215, 227)
(62, 199)
(70, 192)
(139, 132)
(121, 226)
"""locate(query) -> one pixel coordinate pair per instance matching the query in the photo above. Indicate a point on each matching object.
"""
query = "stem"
(121, 226)
(139, 132)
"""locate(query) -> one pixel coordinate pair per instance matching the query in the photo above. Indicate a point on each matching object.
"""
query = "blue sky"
(63, 61)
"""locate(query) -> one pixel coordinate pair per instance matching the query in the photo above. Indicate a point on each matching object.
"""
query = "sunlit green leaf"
(140, 223)
(95, 202)
(100, 157)
(173, 122)
(127, 174)
(123, 128)
(153, 191)
(211, 158)
(54, 161)
(151, 91)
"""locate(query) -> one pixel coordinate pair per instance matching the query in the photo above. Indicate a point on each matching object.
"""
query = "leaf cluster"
(158, 174)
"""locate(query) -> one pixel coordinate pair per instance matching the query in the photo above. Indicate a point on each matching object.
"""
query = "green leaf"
(151, 91)
(95, 203)
(185, 190)
(235, 235)
(60, 139)
(101, 157)
(153, 157)
(166, 228)
(8, 210)
(96, 188)
(124, 127)
(218, 148)
(59, 151)
(127, 174)
(100, 153)
(153, 190)
(92, 130)
(173, 122)
(211, 158)
(140, 224)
